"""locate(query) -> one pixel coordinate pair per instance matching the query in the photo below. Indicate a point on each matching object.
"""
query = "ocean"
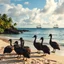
(58, 34)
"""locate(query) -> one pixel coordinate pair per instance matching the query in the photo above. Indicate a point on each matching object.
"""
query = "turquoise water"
(58, 34)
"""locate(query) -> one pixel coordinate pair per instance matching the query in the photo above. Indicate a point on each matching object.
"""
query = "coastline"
(53, 58)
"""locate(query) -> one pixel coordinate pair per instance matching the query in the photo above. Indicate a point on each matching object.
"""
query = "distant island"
(7, 26)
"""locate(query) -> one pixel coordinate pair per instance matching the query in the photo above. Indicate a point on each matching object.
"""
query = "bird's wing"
(55, 44)
(46, 47)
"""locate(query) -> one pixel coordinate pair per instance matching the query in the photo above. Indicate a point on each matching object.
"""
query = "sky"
(31, 13)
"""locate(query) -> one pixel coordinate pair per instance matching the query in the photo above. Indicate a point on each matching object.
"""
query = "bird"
(37, 45)
(26, 54)
(17, 49)
(10, 42)
(45, 48)
(8, 49)
(22, 45)
(21, 42)
(53, 44)
(21, 51)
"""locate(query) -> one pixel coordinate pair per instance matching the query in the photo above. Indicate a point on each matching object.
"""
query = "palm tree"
(15, 24)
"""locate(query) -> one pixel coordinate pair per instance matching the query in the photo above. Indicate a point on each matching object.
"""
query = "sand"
(35, 58)
(3, 43)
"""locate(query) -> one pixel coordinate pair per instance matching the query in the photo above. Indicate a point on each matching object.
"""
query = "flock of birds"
(25, 50)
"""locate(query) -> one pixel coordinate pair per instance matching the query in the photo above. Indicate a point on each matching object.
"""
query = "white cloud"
(24, 17)
(26, 3)
(51, 11)
(4, 8)
(4, 1)
(60, 9)
(49, 7)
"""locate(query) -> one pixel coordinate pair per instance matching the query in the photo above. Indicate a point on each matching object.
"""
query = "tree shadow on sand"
(34, 59)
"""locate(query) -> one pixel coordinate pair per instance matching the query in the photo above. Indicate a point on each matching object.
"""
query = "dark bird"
(37, 45)
(22, 45)
(21, 42)
(53, 44)
(17, 49)
(45, 48)
(21, 51)
(8, 49)
(10, 42)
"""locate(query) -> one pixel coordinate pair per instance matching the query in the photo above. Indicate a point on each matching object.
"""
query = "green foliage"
(15, 24)
(1, 30)
(10, 20)
(5, 22)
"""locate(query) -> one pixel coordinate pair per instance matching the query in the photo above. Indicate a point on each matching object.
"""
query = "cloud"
(49, 7)
(50, 13)
(60, 9)
(25, 17)
(4, 1)
(26, 3)
(4, 8)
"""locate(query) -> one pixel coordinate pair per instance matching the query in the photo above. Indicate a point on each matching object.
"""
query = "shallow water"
(58, 34)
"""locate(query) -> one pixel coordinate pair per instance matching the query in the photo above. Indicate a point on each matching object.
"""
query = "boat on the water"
(39, 26)
(55, 26)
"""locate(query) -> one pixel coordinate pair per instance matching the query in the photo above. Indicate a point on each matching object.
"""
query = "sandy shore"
(35, 58)
(3, 43)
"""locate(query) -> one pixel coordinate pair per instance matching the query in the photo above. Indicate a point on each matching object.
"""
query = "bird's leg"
(23, 57)
(53, 51)
(18, 56)
(43, 54)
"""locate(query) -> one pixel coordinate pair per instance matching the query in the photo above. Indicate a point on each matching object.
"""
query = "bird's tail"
(58, 48)
(49, 52)
(28, 55)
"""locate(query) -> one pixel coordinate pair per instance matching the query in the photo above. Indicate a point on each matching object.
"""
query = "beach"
(53, 58)
(31, 31)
